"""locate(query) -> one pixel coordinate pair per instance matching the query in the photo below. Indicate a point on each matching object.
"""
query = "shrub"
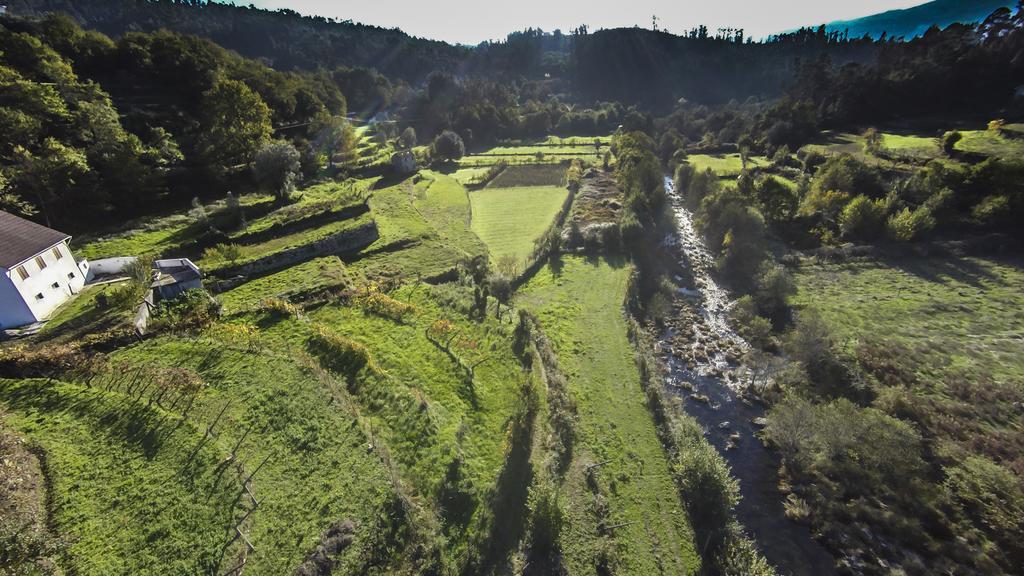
(574, 175)
(279, 307)
(707, 488)
(223, 252)
(812, 160)
(755, 329)
(277, 167)
(192, 310)
(949, 141)
(847, 174)
(872, 141)
(547, 517)
(992, 496)
(774, 287)
(842, 440)
(124, 296)
(381, 304)
(909, 224)
(862, 217)
(408, 138)
(339, 353)
(992, 210)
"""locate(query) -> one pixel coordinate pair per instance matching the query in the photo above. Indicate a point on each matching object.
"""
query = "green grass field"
(954, 314)
(725, 165)
(919, 147)
(508, 220)
(579, 303)
(991, 143)
(126, 497)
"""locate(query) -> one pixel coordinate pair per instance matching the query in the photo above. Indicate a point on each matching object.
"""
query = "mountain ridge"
(916, 20)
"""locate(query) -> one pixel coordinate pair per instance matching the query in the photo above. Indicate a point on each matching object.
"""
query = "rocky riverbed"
(702, 357)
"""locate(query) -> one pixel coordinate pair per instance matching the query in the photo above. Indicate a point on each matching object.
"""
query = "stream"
(702, 356)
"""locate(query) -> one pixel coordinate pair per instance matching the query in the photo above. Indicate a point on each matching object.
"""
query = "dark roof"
(21, 239)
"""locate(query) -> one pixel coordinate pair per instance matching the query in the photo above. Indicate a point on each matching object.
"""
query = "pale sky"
(472, 21)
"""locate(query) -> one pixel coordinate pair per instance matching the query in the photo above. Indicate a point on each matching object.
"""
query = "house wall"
(109, 266)
(13, 310)
(61, 279)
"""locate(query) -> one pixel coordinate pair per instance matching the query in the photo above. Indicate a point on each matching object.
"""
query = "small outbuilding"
(38, 272)
(173, 276)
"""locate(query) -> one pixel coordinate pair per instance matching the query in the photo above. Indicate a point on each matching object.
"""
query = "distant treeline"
(847, 76)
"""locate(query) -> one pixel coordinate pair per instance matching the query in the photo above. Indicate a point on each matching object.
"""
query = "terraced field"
(424, 228)
(509, 220)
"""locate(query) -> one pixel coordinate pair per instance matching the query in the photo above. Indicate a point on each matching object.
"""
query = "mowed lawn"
(579, 303)
(509, 220)
(952, 314)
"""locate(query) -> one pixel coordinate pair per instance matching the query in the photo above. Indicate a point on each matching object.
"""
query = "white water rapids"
(713, 338)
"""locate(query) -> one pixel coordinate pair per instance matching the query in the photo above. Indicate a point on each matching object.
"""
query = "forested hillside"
(916, 20)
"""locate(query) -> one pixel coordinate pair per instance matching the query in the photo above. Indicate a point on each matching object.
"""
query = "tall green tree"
(236, 123)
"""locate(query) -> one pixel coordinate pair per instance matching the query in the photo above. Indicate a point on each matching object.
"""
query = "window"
(22, 272)
(40, 262)
(56, 253)
(71, 275)
(39, 296)
(55, 285)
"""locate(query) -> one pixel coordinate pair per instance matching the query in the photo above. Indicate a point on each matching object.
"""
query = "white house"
(38, 273)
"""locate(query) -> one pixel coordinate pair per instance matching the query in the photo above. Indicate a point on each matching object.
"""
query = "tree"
(52, 179)
(408, 138)
(501, 289)
(774, 287)
(236, 123)
(277, 168)
(777, 202)
(449, 146)
(11, 202)
(335, 138)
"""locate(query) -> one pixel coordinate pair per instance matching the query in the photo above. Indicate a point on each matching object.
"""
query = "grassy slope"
(81, 315)
(416, 371)
(319, 469)
(431, 217)
(251, 252)
(508, 220)
(991, 143)
(326, 272)
(161, 234)
(580, 308)
(124, 494)
(955, 313)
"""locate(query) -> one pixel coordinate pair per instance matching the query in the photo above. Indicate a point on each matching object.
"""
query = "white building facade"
(38, 272)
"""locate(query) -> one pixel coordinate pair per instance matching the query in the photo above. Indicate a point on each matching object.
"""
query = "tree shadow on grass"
(945, 268)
